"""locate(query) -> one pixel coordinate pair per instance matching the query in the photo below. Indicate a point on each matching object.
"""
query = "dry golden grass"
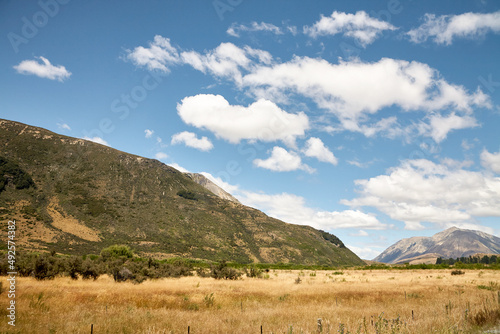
(421, 301)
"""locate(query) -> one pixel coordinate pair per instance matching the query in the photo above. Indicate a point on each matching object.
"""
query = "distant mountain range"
(77, 197)
(451, 243)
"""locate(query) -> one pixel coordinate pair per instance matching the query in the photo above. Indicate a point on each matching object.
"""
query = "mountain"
(77, 197)
(215, 189)
(451, 243)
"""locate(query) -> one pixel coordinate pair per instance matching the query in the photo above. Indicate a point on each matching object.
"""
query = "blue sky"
(373, 120)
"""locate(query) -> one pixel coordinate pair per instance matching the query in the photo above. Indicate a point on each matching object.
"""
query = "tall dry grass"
(423, 301)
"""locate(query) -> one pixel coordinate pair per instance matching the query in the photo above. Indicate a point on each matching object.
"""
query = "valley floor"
(347, 301)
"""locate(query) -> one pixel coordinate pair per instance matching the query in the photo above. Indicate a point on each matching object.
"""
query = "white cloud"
(227, 60)
(282, 161)
(355, 90)
(491, 161)
(422, 191)
(161, 156)
(64, 126)
(178, 167)
(365, 252)
(158, 56)
(190, 139)
(262, 120)
(360, 233)
(44, 70)
(359, 26)
(443, 29)
(235, 29)
(439, 126)
(293, 209)
(97, 140)
(148, 133)
(317, 149)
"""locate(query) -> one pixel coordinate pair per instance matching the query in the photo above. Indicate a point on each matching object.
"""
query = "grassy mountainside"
(78, 197)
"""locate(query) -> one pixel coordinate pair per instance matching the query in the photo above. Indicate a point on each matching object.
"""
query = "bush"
(457, 272)
(253, 272)
(187, 194)
(116, 251)
(73, 266)
(90, 269)
(222, 271)
(46, 267)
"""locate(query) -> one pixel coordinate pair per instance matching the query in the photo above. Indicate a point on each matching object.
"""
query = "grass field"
(348, 301)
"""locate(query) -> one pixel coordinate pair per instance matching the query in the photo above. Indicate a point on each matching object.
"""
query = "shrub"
(187, 194)
(116, 251)
(73, 266)
(457, 272)
(90, 269)
(253, 272)
(46, 267)
(222, 271)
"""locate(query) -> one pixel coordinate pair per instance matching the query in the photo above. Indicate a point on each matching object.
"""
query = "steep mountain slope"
(451, 243)
(206, 183)
(84, 196)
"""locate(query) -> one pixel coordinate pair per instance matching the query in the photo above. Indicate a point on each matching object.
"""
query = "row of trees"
(486, 259)
(116, 261)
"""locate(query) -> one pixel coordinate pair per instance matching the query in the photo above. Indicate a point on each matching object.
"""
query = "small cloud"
(235, 29)
(317, 149)
(159, 56)
(148, 133)
(161, 156)
(360, 233)
(97, 140)
(283, 161)
(44, 70)
(190, 139)
(63, 126)
(466, 145)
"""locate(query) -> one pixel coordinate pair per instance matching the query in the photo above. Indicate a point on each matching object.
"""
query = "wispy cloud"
(191, 140)
(148, 133)
(236, 29)
(43, 70)
(360, 26)
(445, 28)
(64, 126)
